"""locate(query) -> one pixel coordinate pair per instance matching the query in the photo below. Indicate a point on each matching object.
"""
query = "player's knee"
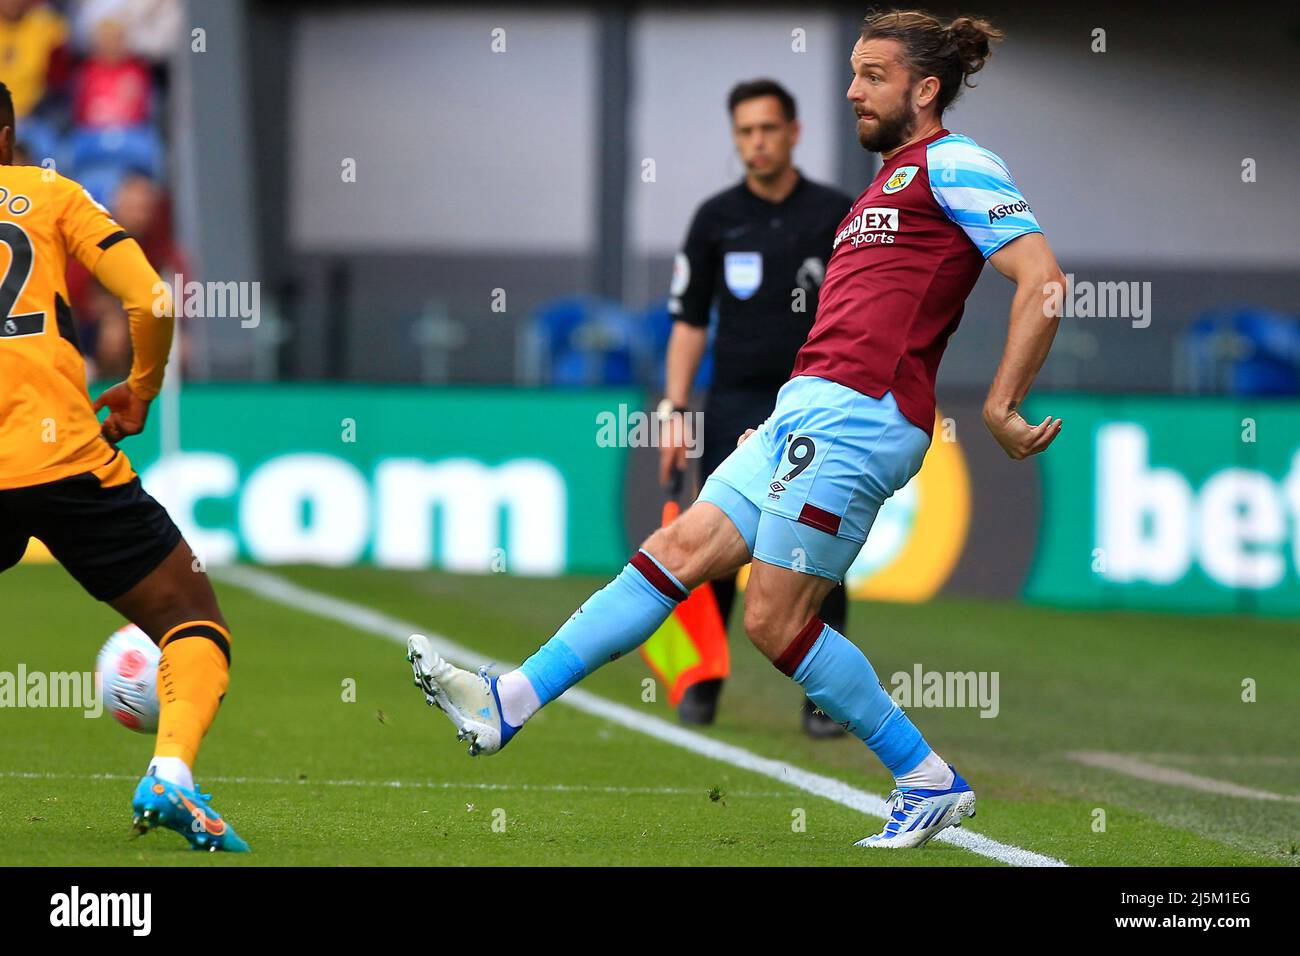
(662, 545)
(168, 603)
(665, 547)
(183, 599)
(675, 547)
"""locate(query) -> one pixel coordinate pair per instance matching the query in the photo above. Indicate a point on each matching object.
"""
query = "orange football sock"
(192, 680)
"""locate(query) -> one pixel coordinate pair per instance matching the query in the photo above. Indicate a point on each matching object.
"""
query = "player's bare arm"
(1029, 263)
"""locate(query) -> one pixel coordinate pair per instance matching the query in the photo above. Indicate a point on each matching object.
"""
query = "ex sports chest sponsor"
(874, 224)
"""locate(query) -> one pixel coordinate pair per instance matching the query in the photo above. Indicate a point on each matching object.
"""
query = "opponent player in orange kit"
(64, 481)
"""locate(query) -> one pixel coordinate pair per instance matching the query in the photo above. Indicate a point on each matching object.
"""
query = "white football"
(128, 671)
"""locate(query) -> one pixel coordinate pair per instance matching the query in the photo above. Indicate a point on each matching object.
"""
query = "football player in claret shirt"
(64, 482)
(850, 427)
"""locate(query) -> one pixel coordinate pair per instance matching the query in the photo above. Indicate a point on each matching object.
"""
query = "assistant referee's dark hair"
(953, 52)
(753, 89)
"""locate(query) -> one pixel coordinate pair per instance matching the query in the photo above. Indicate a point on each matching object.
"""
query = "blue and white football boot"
(917, 815)
(469, 699)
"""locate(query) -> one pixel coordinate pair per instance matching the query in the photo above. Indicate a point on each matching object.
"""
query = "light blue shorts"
(804, 489)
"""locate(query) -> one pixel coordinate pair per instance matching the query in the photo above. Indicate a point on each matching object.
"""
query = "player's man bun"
(970, 39)
(952, 52)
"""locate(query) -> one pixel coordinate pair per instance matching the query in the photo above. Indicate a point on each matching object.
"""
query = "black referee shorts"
(727, 414)
(108, 538)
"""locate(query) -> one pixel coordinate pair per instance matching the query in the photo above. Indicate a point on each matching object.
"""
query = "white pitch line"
(282, 591)
(418, 785)
(1132, 766)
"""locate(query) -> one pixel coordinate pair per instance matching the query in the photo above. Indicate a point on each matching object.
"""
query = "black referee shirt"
(751, 255)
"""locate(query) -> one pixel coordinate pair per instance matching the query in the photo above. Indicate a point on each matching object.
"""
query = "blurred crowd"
(89, 80)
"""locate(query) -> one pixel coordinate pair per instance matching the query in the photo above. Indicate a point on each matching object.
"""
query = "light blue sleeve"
(973, 187)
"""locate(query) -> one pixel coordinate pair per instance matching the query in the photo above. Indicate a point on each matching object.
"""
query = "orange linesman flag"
(691, 645)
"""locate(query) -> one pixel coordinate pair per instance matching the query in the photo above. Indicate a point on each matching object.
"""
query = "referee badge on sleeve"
(681, 275)
(743, 272)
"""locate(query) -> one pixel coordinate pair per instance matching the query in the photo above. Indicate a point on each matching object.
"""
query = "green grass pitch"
(311, 778)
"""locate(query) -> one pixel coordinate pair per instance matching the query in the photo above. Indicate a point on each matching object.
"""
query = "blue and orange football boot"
(161, 803)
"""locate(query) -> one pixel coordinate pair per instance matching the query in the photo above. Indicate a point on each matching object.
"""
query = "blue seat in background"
(126, 147)
(43, 140)
(101, 181)
(585, 341)
(1244, 351)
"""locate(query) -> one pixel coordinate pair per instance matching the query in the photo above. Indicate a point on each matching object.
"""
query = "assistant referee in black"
(758, 251)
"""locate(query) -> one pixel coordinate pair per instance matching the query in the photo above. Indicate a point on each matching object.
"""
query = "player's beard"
(891, 131)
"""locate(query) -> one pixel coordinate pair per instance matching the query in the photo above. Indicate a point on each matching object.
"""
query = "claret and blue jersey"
(853, 424)
(904, 260)
(975, 190)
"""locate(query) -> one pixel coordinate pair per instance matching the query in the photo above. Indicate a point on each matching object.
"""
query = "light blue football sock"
(839, 679)
(616, 619)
